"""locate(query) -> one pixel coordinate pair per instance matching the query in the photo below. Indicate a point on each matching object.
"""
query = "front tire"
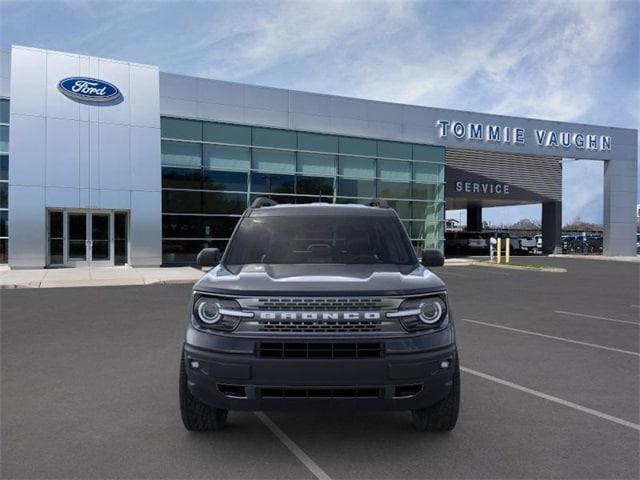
(198, 416)
(442, 416)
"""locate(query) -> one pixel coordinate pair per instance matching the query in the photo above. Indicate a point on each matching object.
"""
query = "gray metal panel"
(82, 155)
(27, 223)
(536, 177)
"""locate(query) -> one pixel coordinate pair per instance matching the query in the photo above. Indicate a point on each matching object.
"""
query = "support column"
(474, 218)
(551, 227)
(620, 192)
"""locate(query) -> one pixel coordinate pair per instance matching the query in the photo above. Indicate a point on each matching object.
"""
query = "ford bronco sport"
(319, 305)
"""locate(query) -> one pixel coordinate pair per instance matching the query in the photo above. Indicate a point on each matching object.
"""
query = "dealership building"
(107, 162)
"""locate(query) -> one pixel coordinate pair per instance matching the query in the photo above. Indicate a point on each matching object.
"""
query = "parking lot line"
(551, 398)
(574, 314)
(293, 447)
(562, 339)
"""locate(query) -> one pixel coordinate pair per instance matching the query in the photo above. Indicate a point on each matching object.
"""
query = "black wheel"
(442, 416)
(198, 416)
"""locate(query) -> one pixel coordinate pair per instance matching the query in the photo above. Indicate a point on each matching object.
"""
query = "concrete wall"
(70, 154)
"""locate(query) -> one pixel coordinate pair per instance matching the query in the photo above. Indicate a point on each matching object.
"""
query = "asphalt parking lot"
(550, 388)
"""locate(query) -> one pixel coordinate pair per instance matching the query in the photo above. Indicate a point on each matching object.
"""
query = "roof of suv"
(320, 209)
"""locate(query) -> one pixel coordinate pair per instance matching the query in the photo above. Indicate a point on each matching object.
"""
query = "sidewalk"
(96, 277)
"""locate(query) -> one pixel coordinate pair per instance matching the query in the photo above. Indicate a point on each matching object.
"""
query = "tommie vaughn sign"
(478, 132)
(88, 89)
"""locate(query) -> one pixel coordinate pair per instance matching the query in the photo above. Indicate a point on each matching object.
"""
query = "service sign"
(88, 89)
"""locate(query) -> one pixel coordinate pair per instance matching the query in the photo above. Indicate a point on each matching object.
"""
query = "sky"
(558, 60)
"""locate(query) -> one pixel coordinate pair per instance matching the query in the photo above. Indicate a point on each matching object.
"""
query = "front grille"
(317, 304)
(319, 326)
(315, 392)
(319, 350)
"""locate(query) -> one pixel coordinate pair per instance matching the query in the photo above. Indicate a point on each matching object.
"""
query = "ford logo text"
(88, 89)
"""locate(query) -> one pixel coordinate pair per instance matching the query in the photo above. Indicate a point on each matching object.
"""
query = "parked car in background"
(473, 243)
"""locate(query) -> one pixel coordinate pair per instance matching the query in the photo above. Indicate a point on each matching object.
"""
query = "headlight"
(422, 313)
(431, 310)
(217, 313)
(208, 311)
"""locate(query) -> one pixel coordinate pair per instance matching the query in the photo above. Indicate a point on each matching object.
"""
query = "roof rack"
(262, 202)
(377, 202)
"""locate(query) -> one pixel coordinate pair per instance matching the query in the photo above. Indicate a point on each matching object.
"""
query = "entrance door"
(77, 240)
(100, 242)
(87, 238)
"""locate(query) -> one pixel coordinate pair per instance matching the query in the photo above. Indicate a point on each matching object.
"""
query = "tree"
(525, 224)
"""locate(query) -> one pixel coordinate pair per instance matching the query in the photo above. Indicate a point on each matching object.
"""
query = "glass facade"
(211, 172)
(4, 180)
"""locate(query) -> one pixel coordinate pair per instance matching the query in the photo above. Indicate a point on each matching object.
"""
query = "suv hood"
(260, 279)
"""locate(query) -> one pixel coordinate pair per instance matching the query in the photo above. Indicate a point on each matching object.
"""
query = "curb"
(521, 267)
(99, 283)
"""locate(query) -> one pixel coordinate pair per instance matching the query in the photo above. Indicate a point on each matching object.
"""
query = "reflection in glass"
(100, 237)
(77, 236)
(120, 242)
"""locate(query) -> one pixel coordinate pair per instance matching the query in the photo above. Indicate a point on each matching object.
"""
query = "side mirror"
(432, 257)
(208, 257)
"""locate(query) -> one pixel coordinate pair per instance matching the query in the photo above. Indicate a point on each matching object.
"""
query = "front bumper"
(226, 372)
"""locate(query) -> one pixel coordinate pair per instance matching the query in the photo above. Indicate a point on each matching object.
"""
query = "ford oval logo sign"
(89, 89)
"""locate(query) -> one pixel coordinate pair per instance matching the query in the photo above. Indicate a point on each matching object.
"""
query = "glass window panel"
(178, 128)
(217, 180)
(4, 111)
(403, 209)
(269, 183)
(56, 248)
(216, 202)
(317, 143)
(4, 139)
(173, 177)
(4, 167)
(226, 158)
(314, 186)
(428, 173)
(357, 167)
(186, 251)
(420, 210)
(271, 137)
(175, 201)
(393, 189)
(274, 161)
(394, 150)
(428, 153)
(4, 195)
(55, 224)
(120, 243)
(356, 188)
(303, 200)
(185, 226)
(224, 133)
(423, 191)
(316, 164)
(179, 153)
(394, 171)
(358, 146)
(434, 193)
(4, 219)
(182, 226)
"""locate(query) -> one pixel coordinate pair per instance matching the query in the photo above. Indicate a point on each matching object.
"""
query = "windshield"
(317, 239)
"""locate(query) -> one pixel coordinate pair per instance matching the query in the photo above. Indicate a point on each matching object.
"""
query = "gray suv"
(321, 306)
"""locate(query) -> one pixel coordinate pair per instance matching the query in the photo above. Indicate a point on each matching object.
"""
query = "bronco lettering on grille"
(319, 315)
